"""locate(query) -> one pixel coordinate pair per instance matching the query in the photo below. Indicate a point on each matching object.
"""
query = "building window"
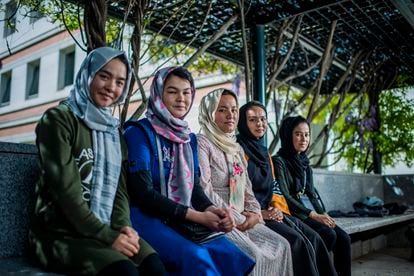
(5, 88)
(32, 79)
(66, 67)
(34, 16)
(10, 18)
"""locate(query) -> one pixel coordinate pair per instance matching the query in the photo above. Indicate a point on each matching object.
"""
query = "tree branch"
(247, 67)
(326, 63)
(211, 40)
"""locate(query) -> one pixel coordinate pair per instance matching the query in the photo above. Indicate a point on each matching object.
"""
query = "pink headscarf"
(181, 179)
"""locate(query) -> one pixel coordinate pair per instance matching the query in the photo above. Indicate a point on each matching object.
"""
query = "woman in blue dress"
(170, 194)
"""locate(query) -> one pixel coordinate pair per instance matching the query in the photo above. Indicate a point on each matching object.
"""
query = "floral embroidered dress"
(271, 251)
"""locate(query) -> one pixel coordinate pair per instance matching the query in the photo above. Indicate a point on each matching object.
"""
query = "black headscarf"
(298, 164)
(259, 168)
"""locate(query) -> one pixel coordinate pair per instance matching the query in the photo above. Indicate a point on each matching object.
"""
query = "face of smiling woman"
(227, 114)
(256, 121)
(108, 84)
(300, 136)
(177, 96)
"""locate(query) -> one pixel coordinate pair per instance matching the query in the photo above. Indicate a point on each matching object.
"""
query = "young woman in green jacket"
(81, 222)
(294, 174)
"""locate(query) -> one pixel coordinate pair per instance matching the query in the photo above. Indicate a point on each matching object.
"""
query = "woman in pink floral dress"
(225, 181)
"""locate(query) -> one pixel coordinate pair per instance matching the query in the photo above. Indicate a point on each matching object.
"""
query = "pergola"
(384, 27)
(274, 39)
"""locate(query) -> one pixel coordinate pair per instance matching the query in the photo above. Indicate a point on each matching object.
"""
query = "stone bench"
(370, 234)
(19, 172)
(340, 190)
(355, 225)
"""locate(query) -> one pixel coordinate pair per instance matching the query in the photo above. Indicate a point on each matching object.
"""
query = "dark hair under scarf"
(259, 168)
(298, 164)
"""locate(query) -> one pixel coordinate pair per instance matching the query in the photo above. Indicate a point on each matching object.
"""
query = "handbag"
(191, 230)
(278, 200)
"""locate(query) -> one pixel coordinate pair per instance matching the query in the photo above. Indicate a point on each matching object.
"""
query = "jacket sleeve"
(282, 175)
(120, 212)
(140, 181)
(315, 198)
(199, 199)
(60, 176)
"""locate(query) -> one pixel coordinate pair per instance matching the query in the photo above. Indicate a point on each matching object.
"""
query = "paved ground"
(386, 262)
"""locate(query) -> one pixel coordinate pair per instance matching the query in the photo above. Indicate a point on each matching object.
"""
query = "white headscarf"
(227, 143)
(105, 130)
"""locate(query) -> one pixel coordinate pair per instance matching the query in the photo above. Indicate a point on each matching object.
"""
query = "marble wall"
(340, 190)
(399, 189)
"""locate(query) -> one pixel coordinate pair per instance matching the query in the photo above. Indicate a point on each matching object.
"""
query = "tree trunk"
(95, 17)
(382, 82)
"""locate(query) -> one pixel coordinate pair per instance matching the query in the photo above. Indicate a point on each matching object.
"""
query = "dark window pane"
(34, 84)
(10, 19)
(69, 68)
(5, 88)
(33, 77)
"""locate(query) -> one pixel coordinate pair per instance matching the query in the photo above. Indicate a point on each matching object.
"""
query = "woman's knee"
(342, 237)
(199, 253)
(123, 267)
(284, 244)
(200, 256)
(329, 237)
(152, 265)
(296, 241)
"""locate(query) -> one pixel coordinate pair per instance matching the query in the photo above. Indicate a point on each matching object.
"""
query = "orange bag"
(278, 200)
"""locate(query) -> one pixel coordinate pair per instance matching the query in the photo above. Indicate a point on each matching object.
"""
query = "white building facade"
(38, 63)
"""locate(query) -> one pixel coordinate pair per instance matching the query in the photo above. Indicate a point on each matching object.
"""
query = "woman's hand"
(130, 232)
(211, 220)
(251, 220)
(227, 222)
(323, 218)
(206, 218)
(272, 213)
(126, 245)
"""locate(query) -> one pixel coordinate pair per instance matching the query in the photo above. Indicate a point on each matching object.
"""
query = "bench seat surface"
(21, 266)
(360, 224)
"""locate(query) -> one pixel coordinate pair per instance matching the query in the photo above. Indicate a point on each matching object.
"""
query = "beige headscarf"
(227, 143)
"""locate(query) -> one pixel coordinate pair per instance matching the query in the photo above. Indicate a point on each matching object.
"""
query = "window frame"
(32, 78)
(5, 77)
(63, 67)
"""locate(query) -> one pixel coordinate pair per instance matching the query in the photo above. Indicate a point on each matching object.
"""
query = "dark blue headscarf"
(298, 164)
(259, 168)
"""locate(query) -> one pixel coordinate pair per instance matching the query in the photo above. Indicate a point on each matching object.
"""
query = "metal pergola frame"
(382, 26)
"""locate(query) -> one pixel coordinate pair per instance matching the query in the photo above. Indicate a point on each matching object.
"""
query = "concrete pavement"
(385, 262)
